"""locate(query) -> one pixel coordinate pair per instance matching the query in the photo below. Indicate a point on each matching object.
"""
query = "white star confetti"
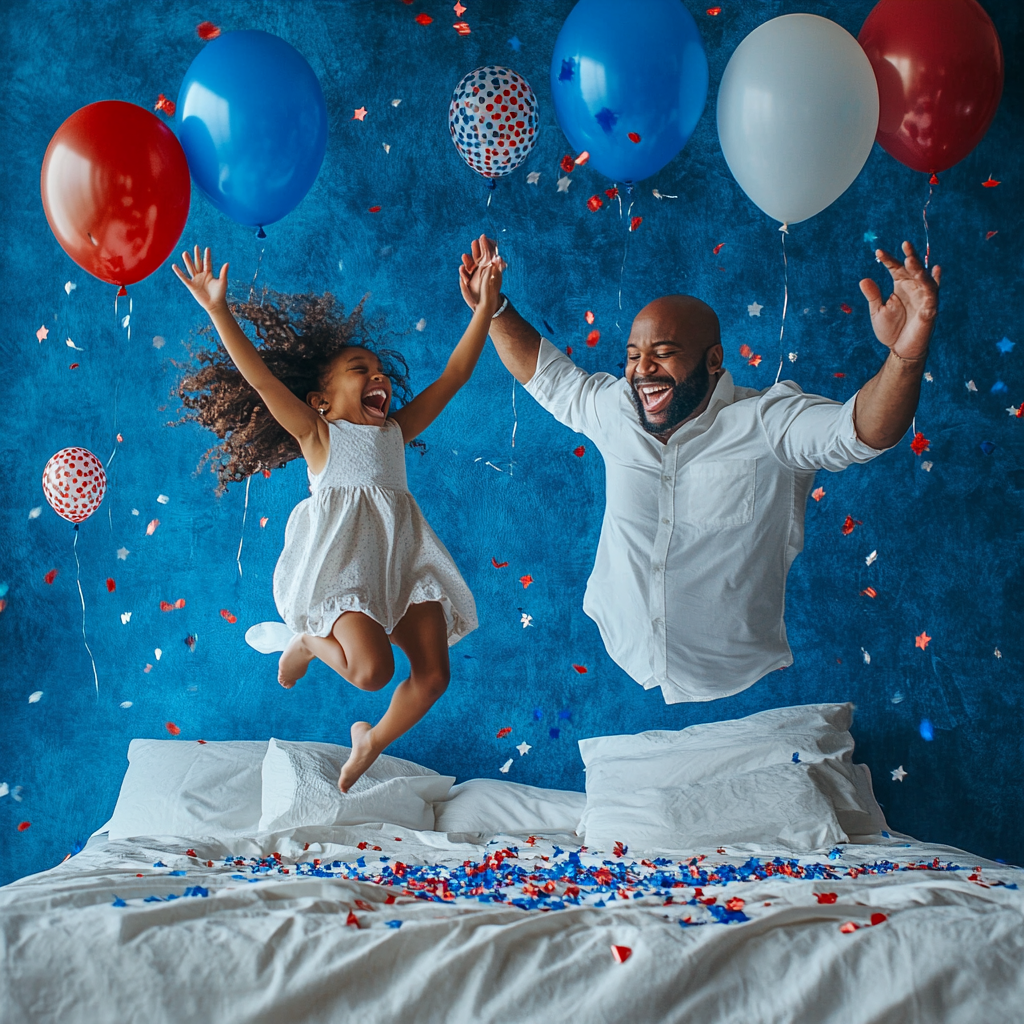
(871, 558)
(928, 376)
(527, 620)
(135, 511)
(533, 177)
(33, 698)
(395, 103)
(998, 653)
(927, 466)
(162, 498)
(71, 344)
(4, 789)
(126, 617)
(792, 357)
(159, 341)
(524, 748)
(421, 324)
(125, 704)
(971, 386)
(898, 774)
(505, 767)
(754, 309)
(123, 553)
(69, 287)
(867, 657)
(387, 148)
(564, 183)
(35, 513)
(159, 654)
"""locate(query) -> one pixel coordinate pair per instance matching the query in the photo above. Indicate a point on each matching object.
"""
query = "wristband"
(501, 309)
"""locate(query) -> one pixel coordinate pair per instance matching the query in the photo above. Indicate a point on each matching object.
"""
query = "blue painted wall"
(948, 540)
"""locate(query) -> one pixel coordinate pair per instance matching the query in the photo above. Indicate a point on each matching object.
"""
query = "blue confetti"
(4, 587)
(538, 714)
(393, 924)
(870, 237)
(118, 902)
(554, 733)
(796, 757)
(999, 388)
(927, 732)
(1005, 345)
(515, 43)
(835, 853)
(159, 864)
(565, 715)
(987, 447)
(178, 873)
(886, 834)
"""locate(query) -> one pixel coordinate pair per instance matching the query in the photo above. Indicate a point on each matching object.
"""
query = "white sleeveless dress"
(360, 543)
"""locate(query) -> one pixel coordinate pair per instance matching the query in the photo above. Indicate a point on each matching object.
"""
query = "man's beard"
(686, 397)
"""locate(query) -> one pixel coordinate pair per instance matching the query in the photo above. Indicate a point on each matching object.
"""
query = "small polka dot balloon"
(493, 120)
(74, 483)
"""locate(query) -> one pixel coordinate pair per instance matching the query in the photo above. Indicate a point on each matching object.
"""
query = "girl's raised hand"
(209, 291)
(490, 285)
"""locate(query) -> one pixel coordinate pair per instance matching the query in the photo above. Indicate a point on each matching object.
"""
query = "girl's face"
(355, 389)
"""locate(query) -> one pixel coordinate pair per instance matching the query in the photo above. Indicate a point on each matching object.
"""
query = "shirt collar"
(724, 394)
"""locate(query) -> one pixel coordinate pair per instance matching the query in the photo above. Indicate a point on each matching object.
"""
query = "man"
(707, 482)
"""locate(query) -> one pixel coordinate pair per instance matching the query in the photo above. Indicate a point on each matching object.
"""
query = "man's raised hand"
(904, 323)
(482, 253)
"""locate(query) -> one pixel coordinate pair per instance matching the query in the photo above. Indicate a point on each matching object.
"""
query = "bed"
(516, 904)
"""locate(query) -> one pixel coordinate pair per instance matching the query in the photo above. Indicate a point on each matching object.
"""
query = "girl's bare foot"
(362, 756)
(294, 661)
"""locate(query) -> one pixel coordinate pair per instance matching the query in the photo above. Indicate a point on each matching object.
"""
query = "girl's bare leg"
(423, 635)
(357, 649)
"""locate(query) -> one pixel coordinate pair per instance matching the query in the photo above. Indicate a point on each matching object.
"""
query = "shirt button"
(665, 521)
(657, 623)
(656, 568)
(667, 479)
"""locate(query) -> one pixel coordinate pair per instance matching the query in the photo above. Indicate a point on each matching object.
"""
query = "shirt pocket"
(717, 494)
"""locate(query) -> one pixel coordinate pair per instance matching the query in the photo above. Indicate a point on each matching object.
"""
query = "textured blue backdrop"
(947, 540)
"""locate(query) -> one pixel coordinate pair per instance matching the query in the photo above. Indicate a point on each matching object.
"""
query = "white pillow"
(777, 806)
(179, 788)
(816, 733)
(490, 806)
(300, 787)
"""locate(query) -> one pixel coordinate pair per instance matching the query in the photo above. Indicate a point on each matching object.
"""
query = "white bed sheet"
(257, 943)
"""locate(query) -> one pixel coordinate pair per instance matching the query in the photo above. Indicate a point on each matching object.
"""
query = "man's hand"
(484, 252)
(904, 323)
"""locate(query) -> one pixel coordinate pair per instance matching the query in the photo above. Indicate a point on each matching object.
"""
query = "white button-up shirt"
(689, 583)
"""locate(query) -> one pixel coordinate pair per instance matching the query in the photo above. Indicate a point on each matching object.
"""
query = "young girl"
(361, 568)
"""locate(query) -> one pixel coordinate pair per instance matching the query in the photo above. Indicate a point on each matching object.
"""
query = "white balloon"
(797, 114)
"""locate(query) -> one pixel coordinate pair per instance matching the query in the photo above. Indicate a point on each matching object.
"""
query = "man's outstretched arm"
(886, 404)
(516, 341)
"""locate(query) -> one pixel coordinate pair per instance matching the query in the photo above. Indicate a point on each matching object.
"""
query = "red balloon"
(939, 67)
(116, 190)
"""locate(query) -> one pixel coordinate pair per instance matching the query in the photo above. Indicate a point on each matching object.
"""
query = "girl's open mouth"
(375, 400)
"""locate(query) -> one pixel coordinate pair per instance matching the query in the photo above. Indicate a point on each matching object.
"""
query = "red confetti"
(374, 209)
(203, 742)
(633, 137)
(263, 521)
(919, 444)
(582, 158)
(991, 183)
(746, 351)
(172, 728)
(568, 350)
(848, 525)
(846, 308)
(878, 918)
(589, 317)
(360, 114)
(151, 527)
(635, 223)
(266, 473)
(612, 193)
(593, 338)
(74, 366)
(818, 493)
(849, 927)
(869, 592)
(718, 248)
(621, 953)
(111, 586)
(23, 825)
(50, 576)
(1020, 411)
(922, 641)
(567, 164)
(736, 903)
(459, 11)
(582, 669)
(164, 104)
(579, 452)
(826, 897)
(462, 28)
(497, 564)
(594, 203)
(619, 850)
(933, 180)
(206, 30)
(167, 606)
(990, 234)
(190, 853)
(714, 11)
(502, 733)
(423, 19)
(352, 920)
(526, 581)
(754, 360)
(3, 603)
(838, 374)
(225, 614)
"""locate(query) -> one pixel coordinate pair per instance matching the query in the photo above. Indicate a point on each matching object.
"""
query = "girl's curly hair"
(298, 338)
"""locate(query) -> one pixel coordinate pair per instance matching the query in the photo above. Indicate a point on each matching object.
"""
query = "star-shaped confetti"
(998, 653)
(533, 177)
(515, 43)
(818, 493)
(526, 581)
(123, 553)
(524, 748)
(991, 182)
(360, 114)
(459, 9)
(564, 183)
(922, 641)
(971, 386)
(898, 774)
(754, 309)
(527, 620)
(41, 334)
(1005, 345)
(870, 237)
(927, 466)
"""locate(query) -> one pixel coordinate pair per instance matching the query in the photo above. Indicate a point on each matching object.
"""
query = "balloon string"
(515, 415)
(924, 217)
(625, 250)
(252, 285)
(245, 512)
(785, 300)
(81, 597)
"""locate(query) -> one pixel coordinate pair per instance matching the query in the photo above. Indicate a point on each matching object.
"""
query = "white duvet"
(375, 924)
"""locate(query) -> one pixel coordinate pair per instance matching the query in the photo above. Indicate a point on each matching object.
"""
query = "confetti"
(922, 641)
(158, 341)
(611, 193)
(877, 918)
(126, 617)
(462, 28)
(718, 248)
(263, 521)
(869, 592)
(754, 309)
(24, 825)
(633, 137)
(849, 927)
(594, 203)
(593, 338)
(582, 159)
(515, 43)
(990, 234)
(164, 104)
(352, 920)
(867, 657)
(871, 558)
(505, 767)
(533, 177)
(111, 586)
(69, 287)
(838, 374)
(524, 748)
(503, 732)
(169, 606)
(172, 728)
(1005, 345)
(225, 614)
(190, 641)
(933, 180)
(991, 182)
(567, 163)
(926, 730)
(375, 209)
(34, 698)
(818, 493)
(998, 653)
(123, 553)
(206, 30)
(898, 774)
(846, 308)
(35, 513)
(619, 850)
(582, 669)
(423, 19)
(41, 334)
(714, 11)
(919, 444)
(395, 103)
(148, 668)
(848, 524)
(459, 9)
(526, 620)
(526, 581)
(71, 344)
(151, 528)
(158, 654)
(621, 953)
(579, 452)
(988, 447)
(635, 222)
(497, 564)
(162, 499)
(971, 386)
(74, 366)
(746, 351)
(564, 183)
(826, 897)
(554, 733)
(359, 114)
(50, 576)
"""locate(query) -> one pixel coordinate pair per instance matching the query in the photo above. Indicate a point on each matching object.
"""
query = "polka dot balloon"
(74, 483)
(493, 120)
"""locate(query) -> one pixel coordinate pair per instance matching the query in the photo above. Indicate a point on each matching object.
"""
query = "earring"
(322, 410)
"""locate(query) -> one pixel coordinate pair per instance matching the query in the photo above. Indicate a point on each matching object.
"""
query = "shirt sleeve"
(580, 400)
(811, 432)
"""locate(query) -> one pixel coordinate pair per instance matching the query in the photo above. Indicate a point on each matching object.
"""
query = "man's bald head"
(673, 356)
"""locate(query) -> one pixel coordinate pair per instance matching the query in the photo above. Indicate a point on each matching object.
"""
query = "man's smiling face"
(672, 353)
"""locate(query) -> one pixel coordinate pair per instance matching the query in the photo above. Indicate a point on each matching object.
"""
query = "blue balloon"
(629, 81)
(253, 124)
